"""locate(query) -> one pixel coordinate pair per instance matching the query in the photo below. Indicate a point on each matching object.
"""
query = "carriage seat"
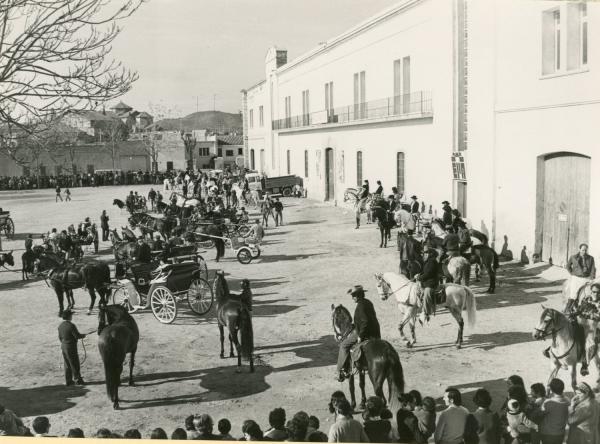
(142, 269)
(181, 267)
(184, 250)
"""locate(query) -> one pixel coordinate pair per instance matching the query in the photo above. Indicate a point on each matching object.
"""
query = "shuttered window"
(400, 172)
(359, 168)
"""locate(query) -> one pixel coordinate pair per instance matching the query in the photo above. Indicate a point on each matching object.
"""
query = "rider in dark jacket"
(366, 327)
(429, 279)
(447, 216)
(144, 253)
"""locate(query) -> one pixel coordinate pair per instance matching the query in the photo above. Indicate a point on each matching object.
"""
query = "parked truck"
(273, 185)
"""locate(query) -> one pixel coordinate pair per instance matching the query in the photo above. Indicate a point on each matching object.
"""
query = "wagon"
(6, 224)
(161, 288)
(245, 250)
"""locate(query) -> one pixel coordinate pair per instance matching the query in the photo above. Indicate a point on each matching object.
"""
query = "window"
(288, 162)
(229, 153)
(329, 101)
(288, 112)
(402, 85)
(360, 106)
(305, 108)
(90, 169)
(261, 116)
(169, 166)
(359, 167)
(305, 163)
(43, 170)
(251, 118)
(26, 171)
(584, 33)
(252, 165)
(240, 151)
(74, 168)
(564, 38)
(203, 152)
(400, 172)
(220, 152)
(57, 170)
(262, 161)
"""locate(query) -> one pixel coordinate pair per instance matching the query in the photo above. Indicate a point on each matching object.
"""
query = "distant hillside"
(202, 120)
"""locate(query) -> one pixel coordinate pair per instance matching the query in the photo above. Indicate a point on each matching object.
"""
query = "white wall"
(516, 115)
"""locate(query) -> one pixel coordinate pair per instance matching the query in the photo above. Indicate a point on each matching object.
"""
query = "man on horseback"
(362, 201)
(447, 216)
(429, 279)
(68, 336)
(582, 269)
(366, 326)
(589, 310)
(410, 252)
(451, 244)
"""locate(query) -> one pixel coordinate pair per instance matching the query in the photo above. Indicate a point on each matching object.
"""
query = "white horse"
(360, 205)
(404, 220)
(459, 298)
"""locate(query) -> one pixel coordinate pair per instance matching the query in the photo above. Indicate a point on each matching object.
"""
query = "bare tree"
(189, 141)
(54, 57)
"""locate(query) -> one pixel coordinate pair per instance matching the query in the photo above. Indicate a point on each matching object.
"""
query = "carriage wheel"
(9, 228)
(163, 305)
(257, 255)
(200, 296)
(122, 297)
(202, 267)
(244, 256)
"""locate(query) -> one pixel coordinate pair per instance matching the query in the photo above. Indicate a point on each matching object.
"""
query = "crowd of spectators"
(544, 415)
(96, 179)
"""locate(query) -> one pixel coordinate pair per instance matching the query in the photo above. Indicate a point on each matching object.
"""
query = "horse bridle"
(552, 333)
(340, 336)
(390, 292)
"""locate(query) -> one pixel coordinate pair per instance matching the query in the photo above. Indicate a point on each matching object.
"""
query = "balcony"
(415, 105)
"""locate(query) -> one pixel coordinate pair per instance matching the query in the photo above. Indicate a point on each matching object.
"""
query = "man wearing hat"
(414, 205)
(69, 335)
(429, 279)
(451, 243)
(447, 216)
(366, 327)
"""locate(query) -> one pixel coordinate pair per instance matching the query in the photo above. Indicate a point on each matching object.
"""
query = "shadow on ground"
(39, 401)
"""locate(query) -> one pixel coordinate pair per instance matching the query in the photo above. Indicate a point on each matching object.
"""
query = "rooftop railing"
(408, 106)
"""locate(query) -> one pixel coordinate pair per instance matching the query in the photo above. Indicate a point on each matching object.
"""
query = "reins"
(553, 333)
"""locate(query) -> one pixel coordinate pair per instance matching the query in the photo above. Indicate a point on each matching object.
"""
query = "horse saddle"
(70, 278)
(356, 355)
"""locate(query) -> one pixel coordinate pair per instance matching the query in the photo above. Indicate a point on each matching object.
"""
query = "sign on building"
(458, 166)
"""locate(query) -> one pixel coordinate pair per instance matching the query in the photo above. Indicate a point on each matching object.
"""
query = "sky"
(186, 51)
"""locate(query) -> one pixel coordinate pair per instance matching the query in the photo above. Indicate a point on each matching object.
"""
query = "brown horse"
(118, 335)
(233, 312)
(379, 359)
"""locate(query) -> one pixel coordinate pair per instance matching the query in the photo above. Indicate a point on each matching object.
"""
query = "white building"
(393, 98)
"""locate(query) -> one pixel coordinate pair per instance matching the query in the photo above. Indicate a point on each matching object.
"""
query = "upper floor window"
(564, 38)
(400, 171)
(329, 100)
(359, 168)
(251, 118)
(261, 116)
(360, 105)
(305, 107)
(305, 163)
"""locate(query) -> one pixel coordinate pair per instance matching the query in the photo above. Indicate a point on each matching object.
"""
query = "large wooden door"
(329, 175)
(461, 197)
(566, 211)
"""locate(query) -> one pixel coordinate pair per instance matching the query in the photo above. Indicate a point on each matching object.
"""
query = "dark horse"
(378, 358)
(7, 258)
(385, 221)
(118, 335)
(485, 256)
(149, 224)
(64, 278)
(233, 312)
(212, 230)
(119, 203)
(411, 262)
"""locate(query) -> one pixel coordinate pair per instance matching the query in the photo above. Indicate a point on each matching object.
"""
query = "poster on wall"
(318, 164)
(341, 166)
(458, 166)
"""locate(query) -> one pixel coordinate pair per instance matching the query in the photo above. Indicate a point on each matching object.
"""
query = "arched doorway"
(563, 205)
(329, 175)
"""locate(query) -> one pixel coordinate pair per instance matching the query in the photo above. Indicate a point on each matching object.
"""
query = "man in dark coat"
(144, 253)
(366, 327)
(65, 243)
(414, 205)
(447, 216)
(410, 251)
(104, 225)
(451, 243)
(69, 335)
(152, 197)
(429, 279)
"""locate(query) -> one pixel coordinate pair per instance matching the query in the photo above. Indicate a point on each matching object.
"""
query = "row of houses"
(489, 104)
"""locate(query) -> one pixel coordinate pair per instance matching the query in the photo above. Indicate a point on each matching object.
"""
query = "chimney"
(281, 57)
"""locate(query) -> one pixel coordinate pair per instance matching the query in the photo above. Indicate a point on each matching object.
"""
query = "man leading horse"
(366, 326)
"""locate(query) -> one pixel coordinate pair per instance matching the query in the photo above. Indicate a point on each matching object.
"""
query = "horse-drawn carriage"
(6, 224)
(86, 236)
(161, 287)
(244, 249)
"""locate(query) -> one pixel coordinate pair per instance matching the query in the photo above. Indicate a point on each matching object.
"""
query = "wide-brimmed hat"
(357, 289)
(445, 202)
(413, 197)
(431, 252)
(67, 313)
(584, 388)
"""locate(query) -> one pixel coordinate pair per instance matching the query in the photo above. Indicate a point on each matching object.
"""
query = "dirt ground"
(307, 265)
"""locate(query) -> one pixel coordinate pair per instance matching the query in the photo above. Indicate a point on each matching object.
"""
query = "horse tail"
(112, 366)
(395, 378)
(470, 306)
(247, 333)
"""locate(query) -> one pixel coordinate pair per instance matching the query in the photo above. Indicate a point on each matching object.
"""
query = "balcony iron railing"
(413, 105)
